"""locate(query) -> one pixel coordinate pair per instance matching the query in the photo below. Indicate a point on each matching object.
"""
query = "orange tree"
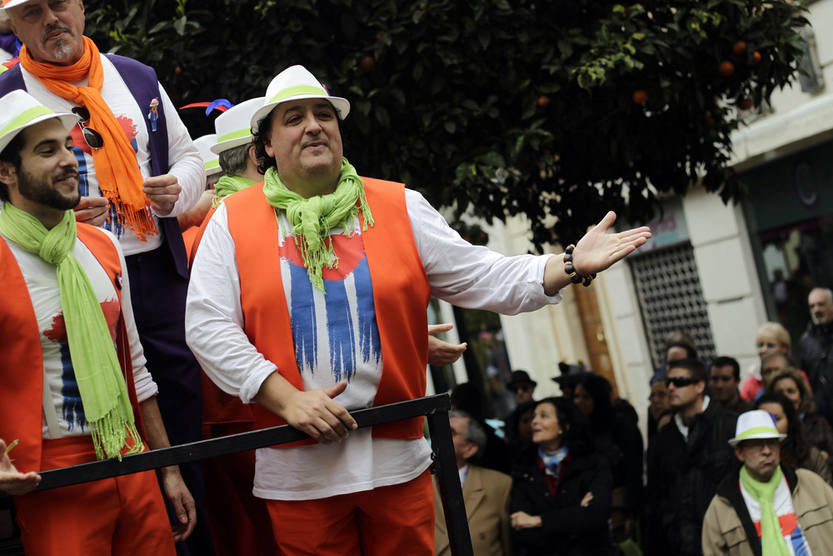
(555, 110)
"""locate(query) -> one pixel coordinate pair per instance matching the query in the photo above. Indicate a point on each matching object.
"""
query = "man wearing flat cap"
(521, 386)
(767, 507)
(309, 296)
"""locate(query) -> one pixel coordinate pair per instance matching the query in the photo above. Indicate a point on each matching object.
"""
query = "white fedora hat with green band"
(297, 83)
(19, 110)
(754, 425)
(209, 159)
(234, 127)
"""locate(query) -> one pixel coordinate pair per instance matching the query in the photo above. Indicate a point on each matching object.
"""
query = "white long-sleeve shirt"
(63, 413)
(458, 272)
(186, 164)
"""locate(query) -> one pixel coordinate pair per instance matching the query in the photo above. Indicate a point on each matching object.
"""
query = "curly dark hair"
(11, 154)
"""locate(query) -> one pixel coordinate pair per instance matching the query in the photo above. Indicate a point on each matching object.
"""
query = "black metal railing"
(434, 408)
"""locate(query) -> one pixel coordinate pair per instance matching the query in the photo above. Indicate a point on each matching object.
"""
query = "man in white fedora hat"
(767, 507)
(138, 171)
(72, 368)
(235, 147)
(309, 296)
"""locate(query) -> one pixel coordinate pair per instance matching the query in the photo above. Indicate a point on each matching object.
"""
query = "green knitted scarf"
(772, 540)
(227, 185)
(94, 360)
(312, 219)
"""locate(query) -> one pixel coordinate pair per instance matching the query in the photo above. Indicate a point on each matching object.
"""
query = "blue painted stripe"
(370, 347)
(799, 543)
(340, 331)
(72, 408)
(302, 313)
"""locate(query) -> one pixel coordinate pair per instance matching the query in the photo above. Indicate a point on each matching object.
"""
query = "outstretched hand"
(598, 250)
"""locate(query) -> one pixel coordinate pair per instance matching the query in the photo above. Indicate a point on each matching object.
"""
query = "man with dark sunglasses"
(137, 171)
(691, 457)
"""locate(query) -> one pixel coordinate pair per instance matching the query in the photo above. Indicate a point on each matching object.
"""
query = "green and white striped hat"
(755, 424)
(233, 126)
(19, 110)
(211, 161)
(296, 83)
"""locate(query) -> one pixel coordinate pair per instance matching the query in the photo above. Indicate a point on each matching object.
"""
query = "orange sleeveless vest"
(400, 293)
(21, 358)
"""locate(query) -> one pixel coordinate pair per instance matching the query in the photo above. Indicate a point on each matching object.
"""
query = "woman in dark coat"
(560, 503)
(616, 435)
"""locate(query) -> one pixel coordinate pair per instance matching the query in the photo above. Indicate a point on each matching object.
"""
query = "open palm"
(598, 249)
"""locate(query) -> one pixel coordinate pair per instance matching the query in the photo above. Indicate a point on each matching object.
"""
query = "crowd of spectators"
(583, 483)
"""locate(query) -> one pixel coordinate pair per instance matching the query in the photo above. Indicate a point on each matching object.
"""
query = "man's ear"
(701, 387)
(251, 154)
(739, 454)
(8, 174)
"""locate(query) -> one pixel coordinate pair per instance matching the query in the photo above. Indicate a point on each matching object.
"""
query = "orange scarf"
(115, 163)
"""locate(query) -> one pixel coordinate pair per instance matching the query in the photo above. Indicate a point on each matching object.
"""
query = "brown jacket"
(486, 495)
(727, 527)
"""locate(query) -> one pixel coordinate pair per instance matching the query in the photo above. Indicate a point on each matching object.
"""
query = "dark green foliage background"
(497, 106)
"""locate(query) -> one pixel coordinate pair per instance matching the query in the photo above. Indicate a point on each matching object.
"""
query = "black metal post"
(448, 481)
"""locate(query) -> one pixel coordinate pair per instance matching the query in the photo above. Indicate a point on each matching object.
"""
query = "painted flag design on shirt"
(337, 331)
(72, 410)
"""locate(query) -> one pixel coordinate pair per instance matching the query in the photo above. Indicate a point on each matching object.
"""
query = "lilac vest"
(144, 86)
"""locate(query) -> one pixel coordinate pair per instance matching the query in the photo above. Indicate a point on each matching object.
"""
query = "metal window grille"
(671, 298)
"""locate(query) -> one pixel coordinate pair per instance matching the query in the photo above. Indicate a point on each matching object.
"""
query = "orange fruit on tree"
(543, 101)
(367, 64)
(756, 58)
(640, 96)
(726, 68)
(739, 48)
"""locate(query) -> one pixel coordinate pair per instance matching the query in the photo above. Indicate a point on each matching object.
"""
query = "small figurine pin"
(153, 114)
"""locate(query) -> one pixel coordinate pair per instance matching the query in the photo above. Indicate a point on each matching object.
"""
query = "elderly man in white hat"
(73, 370)
(309, 296)
(766, 507)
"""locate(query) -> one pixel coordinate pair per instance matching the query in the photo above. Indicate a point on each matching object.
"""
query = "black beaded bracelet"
(570, 269)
